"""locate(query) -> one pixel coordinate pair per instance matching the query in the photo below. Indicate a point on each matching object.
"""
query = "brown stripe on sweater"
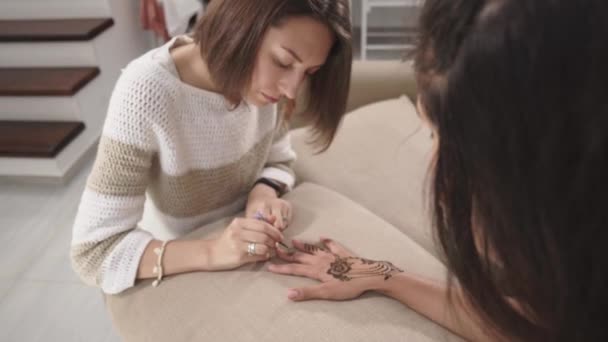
(201, 191)
(125, 170)
(87, 257)
(120, 169)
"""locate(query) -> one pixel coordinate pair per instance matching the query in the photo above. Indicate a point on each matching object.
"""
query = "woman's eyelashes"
(288, 66)
(281, 64)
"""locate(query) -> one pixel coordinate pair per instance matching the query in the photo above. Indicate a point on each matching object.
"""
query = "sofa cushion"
(250, 303)
(380, 159)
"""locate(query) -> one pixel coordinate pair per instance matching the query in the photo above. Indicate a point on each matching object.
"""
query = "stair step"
(45, 81)
(53, 29)
(36, 139)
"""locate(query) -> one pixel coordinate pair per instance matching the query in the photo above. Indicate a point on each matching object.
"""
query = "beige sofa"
(381, 154)
(365, 191)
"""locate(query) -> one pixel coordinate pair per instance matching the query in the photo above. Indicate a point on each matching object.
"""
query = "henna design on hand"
(340, 268)
(345, 269)
(312, 249)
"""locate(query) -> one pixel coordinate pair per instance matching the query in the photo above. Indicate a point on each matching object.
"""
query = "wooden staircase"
(53, 30)
(44, 137)
(38, 81)
(36, 139)
(58, 65)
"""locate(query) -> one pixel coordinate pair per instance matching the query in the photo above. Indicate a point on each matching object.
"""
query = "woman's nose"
(291, 84)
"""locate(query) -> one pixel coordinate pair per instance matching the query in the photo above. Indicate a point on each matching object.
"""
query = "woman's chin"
(255, 101)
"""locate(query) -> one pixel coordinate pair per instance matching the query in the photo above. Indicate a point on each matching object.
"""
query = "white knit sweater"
(176, 149)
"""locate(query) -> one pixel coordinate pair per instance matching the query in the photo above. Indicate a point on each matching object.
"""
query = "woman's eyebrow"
(295, 55)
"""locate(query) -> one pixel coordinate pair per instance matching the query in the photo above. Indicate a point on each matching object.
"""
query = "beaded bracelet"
(158, 269)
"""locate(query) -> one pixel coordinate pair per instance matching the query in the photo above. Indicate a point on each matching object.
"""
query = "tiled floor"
(41, 299)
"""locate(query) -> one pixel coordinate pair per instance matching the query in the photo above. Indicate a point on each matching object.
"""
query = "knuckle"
(234, 232)
(268, 229)
(262, 249)
(229, 234)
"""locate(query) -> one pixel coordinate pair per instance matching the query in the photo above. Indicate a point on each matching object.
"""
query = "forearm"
(429, 298)
(261, 191)
(179, 257)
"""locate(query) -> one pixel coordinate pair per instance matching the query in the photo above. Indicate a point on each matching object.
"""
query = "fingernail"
(292, 294)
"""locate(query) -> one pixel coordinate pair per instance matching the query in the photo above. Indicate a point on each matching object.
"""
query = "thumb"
(308, 293)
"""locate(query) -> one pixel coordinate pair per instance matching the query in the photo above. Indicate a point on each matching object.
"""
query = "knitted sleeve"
(281, 156)
(106, 244)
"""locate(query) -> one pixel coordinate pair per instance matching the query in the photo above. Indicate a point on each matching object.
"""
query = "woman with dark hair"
(193, 133)
(515, 93)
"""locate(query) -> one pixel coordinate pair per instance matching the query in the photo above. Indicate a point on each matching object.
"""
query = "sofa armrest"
(371, 81)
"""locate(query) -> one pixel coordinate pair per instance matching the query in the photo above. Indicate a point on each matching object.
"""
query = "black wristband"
(273, 184)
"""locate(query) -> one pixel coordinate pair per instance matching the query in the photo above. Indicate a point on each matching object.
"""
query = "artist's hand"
(232, 248)
(343, 275)
(264, 201)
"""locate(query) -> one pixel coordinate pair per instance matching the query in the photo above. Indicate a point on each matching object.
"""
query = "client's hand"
(343, 275)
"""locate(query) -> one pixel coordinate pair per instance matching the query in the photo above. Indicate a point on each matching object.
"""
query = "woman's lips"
(270, 98)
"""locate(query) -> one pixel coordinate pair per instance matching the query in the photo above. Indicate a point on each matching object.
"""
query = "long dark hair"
(518, 93)
(230, 34)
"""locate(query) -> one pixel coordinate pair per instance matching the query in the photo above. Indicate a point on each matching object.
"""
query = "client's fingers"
(335, 247)
(308, 247)
(294, 269)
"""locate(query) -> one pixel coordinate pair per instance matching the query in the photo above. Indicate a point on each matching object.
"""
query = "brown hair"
(522, 159)
(230, 34)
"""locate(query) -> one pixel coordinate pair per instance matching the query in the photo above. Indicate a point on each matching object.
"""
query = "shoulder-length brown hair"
(231, 32)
